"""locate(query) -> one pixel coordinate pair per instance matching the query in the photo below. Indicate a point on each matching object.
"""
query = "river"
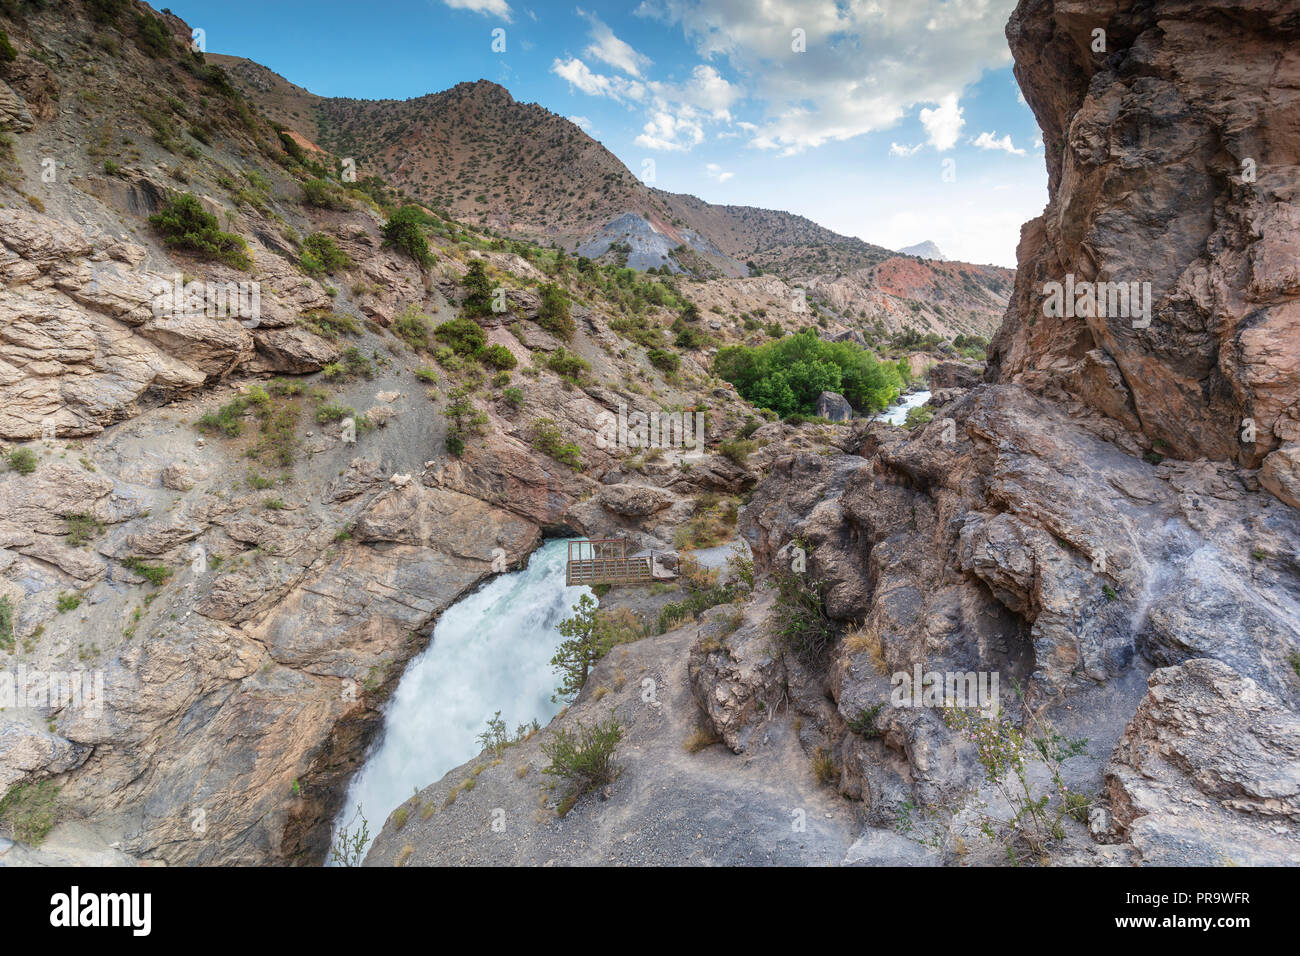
(897, 414)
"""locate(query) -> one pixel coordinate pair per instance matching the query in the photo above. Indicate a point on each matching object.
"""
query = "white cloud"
(581, 122)
(866, 66)
(677, 112)
(707, 89)
(597, 84)
(714, 171)
(489, 8)
(670, 132)
(608, 48)
(896, 150)
(943, 124)
(988, 141)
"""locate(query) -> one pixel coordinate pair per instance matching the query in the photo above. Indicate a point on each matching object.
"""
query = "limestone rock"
(635, 501)
(1208, 772)
(294, 351)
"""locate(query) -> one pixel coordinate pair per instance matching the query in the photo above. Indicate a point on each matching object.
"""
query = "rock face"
(953, 375)
(82, 337)
(1172, 159)
(1026, 544)
(1208, 772)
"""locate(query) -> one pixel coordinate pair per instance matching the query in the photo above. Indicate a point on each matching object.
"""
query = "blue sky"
(891, 120)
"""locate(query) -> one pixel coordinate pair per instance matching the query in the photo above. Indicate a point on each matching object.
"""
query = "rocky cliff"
(184, 511)
(1170, 133)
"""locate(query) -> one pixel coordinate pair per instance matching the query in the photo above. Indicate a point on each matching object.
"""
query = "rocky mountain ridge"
(517, 168)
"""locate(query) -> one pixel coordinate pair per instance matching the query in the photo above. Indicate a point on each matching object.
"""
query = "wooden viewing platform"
(605, 561)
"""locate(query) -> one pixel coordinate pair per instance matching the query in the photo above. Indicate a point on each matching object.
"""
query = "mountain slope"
(519, 169)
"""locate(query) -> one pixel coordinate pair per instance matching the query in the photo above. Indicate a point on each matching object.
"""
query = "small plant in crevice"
(865, 722)
(6, 624)
(1005, 751)
(350, 843)
(799, 617)
(155, 574)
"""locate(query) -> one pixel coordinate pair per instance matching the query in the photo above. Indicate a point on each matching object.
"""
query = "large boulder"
(834, 406)
(635, 501)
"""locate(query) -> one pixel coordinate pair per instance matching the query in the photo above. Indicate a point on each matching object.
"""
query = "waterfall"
(490, 651)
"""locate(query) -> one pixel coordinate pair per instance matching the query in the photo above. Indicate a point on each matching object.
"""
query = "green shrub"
(6, 624)
(584, 759)
(228, 419)
(412, 327)
(464, 420)
(185, 224)
(81, 528)
(154, 38)
(787, 376)
(404, 231)
(548, 439)
(664, 360)
(513, 397)
(553, 312)
(320, 193)
(28, 810)
(293, 150)
(22, 460)
(330, 324)
(321, 255)
(356, 364)
(737, 451)
(1005, 752)
(565, 363)
(918, 416)
(155, 574)
(689, 336)
(478, 290)
(498, 356)
(7, 52)
(799, 616)
(464, 336)
(427, 375)
(865, 722)
(448, 359)
(333, 412)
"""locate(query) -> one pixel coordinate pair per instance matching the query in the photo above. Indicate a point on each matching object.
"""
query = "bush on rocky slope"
(186, 225)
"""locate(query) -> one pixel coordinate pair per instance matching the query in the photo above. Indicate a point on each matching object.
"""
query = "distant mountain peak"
(924, 250)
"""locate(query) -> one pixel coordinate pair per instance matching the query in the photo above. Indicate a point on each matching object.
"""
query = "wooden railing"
(605, 561)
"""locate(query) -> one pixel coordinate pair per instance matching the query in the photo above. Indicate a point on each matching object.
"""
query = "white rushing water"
(490, 651)
(898, 414)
